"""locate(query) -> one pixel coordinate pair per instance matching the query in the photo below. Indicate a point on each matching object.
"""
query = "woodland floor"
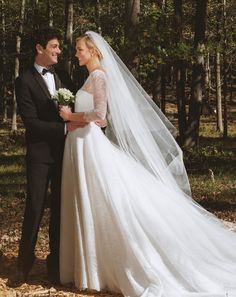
(211, 170)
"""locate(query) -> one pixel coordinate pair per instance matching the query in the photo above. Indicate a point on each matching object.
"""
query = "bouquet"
(63, 96)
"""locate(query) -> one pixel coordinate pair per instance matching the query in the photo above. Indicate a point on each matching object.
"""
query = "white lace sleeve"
(99, 91)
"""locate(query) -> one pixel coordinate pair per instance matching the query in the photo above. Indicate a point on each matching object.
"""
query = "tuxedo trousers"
(38, 177)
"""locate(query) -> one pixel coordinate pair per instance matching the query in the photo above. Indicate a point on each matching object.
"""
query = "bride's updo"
(90, 44)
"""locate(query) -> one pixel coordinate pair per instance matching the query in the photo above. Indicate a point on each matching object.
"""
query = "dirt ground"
(38, 285)
(11, 213)
(12, 198)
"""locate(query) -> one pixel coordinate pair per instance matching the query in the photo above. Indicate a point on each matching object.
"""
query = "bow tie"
(50, 69)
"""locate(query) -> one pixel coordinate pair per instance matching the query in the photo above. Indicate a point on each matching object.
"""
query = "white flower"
(63, 96)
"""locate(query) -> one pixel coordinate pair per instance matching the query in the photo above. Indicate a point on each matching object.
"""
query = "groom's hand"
(71, 126)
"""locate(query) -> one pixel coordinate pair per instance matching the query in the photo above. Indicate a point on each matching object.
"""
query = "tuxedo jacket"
(45, 130)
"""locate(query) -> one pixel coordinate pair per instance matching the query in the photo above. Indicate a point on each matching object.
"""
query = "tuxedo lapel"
(41, 82)
(57, 81)
(57, 85)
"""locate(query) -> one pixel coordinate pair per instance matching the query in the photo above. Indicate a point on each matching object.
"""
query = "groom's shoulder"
(25, 75)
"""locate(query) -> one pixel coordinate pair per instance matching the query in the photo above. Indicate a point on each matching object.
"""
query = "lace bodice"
(96, 86)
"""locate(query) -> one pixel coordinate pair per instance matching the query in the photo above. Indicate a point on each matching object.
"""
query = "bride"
(128, 222)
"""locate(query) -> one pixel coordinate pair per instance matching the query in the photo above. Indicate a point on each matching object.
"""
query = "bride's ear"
(91, 52)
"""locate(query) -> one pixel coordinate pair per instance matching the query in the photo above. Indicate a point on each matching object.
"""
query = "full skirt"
(125, 231)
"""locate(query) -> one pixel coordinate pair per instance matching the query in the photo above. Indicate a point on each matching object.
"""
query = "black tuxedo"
(45, 136)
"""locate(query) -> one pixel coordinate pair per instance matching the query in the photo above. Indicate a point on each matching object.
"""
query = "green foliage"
(211, 170)
(157, 45)
(12, 164)
(156, 28)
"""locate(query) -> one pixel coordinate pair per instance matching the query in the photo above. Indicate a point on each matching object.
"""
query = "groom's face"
(49, 55)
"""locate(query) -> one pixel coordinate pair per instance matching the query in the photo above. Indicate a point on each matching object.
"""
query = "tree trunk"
(157, 87)
(206, 107)
(163, 88)
(69, 10)
(161, 72)
(162, 3)
(17, 63)
(225, 132)
(207, 78)
(231, 84)
(98, 16)
(219, 120)
(35, 14)
(132, 9)
(180, 70)
(218, 94)
(3, 64)
(181, 100)
(191, 137)
(50, 14)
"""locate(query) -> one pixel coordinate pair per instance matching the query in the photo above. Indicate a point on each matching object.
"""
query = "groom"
(45, 136)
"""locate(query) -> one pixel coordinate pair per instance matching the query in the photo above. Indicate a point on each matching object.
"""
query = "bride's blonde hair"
(90, 44)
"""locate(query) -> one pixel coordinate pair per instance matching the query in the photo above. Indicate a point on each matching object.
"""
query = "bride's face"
(83, 53)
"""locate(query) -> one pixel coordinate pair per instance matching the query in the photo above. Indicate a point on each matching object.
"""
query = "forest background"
(183, 54)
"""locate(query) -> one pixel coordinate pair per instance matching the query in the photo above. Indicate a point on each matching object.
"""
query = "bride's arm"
(100, 102)
(68, 115)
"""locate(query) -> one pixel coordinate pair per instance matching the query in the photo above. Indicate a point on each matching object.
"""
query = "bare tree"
(207, 79)
(34, 4)
(180, 70)
(225, 131)
(3, 63)
(218, 93)
(69, 11)
(17, 62)
(162, 3)
(207, 87)
(218, 73)
(132, 10)
(159, 89)
(192, 132)
(231, 83)
(156, 92)
(50, 13)
(98, 15)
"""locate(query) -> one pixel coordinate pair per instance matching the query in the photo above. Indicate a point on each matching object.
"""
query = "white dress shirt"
(48, 78)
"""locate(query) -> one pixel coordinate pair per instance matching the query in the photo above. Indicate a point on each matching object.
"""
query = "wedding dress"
(123, 229)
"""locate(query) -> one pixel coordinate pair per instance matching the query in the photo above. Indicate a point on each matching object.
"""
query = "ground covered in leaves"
(211, 170)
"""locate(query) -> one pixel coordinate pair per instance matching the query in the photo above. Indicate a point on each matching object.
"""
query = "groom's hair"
(43, 36)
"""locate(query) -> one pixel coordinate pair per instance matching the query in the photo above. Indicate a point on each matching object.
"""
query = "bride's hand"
(65, 112)
(101, 123)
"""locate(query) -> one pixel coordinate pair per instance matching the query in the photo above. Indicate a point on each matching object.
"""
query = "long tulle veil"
(137, 125)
